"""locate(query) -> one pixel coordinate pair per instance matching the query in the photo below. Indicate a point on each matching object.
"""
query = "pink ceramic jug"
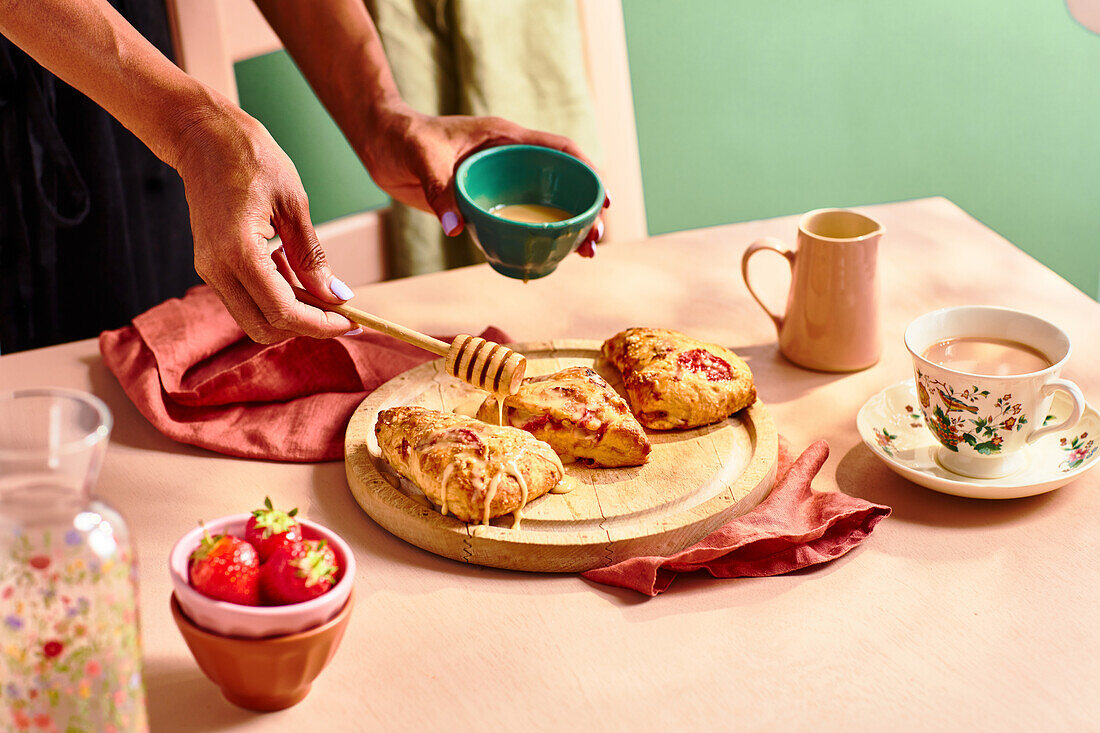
(832, 318)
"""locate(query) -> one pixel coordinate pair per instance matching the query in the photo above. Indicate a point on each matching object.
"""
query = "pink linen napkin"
(793, 528)
(192, 372)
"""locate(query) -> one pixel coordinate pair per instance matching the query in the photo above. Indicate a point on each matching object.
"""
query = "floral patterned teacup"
(985, 422)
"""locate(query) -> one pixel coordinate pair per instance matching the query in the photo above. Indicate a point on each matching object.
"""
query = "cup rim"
(879, 231)
(997, 377)
(464, 167)
(101, 433)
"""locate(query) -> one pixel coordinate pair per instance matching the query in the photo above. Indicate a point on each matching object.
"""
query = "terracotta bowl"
(263, 674)
(233, 619)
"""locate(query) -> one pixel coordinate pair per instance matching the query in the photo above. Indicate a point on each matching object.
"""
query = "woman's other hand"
(413, 157)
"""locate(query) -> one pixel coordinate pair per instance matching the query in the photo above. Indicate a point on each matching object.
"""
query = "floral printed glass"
(985, 423)
(69, 649)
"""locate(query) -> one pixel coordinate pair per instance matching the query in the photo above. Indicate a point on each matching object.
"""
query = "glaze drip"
(471, 451)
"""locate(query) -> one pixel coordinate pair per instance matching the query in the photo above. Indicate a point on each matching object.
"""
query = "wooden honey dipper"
(484, 364)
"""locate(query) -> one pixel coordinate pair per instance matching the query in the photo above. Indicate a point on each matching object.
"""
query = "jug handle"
(774, 245)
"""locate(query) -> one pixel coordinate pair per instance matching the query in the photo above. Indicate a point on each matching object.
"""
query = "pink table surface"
(957, 614)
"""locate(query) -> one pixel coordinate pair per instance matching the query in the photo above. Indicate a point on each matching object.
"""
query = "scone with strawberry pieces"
(578, 414)
(674, 381)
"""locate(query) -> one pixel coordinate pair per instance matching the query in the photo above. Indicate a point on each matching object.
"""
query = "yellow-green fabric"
(518, 59)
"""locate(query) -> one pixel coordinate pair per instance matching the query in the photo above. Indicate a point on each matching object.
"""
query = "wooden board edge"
(754, 485)
(392, 510)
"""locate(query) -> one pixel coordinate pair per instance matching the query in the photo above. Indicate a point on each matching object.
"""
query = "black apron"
(93, 226)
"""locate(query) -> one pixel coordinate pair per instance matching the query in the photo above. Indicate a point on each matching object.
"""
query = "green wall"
(748, 110)
(755, 109)
(273, 91)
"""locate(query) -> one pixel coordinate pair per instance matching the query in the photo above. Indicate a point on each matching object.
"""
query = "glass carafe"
(70, 653)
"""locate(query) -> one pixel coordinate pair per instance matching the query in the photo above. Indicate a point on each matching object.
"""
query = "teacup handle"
(774, 245)
(1075, 414)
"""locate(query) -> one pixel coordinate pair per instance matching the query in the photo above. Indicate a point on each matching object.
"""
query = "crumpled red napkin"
(793, 528)
(192, 372)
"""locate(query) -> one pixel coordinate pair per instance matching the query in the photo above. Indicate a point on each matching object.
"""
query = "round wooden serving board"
(694, 482)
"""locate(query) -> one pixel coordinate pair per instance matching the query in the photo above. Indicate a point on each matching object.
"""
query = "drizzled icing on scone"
(485, 474)
(578, 414)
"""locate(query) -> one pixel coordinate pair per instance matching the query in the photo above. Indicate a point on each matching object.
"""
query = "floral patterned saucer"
(892, 426)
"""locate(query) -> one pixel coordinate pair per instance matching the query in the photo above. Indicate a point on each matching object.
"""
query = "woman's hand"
(242, 190)
(413, 157)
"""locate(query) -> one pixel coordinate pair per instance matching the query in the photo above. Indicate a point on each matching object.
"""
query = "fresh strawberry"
(268, 529)
(323, 547)
(226, 568)
(290, 577)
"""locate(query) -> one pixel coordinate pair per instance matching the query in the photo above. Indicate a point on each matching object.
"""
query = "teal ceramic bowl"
(527, 174)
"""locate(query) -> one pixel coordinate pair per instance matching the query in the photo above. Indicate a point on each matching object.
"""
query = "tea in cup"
(985, 378)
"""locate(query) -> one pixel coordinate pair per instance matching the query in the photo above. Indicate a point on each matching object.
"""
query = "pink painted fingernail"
(355, 331)
(449, 220)
(340, 289)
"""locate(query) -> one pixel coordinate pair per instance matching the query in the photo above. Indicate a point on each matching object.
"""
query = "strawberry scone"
(674, 381)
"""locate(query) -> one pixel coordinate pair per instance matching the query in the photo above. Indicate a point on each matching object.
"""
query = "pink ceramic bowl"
(254, 622)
